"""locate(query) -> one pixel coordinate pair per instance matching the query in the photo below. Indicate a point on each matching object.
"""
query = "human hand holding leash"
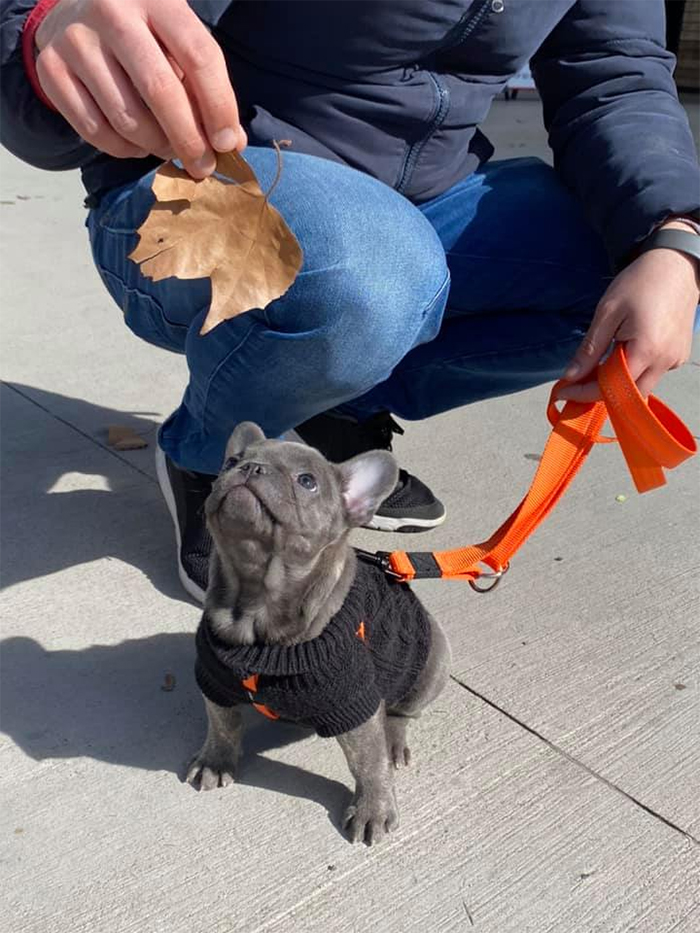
(650, 307)
(138, 78)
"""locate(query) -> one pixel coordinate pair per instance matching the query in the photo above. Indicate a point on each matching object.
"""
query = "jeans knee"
(362, 324)
(373, 285)
(384, 294)
(398, 272)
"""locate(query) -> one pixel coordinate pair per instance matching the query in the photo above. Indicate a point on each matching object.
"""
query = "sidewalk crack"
(560, 751)
(73, 427)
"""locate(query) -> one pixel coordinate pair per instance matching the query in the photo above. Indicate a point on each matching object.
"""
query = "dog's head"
(276, 498)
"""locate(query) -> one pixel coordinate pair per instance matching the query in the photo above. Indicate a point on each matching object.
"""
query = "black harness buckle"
(378, 559)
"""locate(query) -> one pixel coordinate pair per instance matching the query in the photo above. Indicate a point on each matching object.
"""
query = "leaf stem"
(279, 169)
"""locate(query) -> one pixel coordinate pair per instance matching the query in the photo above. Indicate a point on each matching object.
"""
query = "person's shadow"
(106, 701)
(48, 524)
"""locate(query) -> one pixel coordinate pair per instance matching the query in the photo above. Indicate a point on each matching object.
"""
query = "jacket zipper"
(414, 150)
(443, 100)
(470, 25)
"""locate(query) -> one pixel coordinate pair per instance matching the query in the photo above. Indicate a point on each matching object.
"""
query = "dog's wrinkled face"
(275, 498)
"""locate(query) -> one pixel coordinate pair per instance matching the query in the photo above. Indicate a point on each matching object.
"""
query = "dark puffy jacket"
(397, 88)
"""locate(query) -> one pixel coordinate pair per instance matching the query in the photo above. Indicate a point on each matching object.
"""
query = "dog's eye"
(231, 463)
(307, 481)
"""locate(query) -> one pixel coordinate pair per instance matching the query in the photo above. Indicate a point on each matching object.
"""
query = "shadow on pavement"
(42, 531)
(107, 702)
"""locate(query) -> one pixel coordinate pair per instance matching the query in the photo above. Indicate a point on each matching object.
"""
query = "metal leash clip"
(495, 576)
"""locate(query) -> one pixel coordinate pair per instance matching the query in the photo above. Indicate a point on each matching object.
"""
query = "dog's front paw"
(211, 771)
(371, 816)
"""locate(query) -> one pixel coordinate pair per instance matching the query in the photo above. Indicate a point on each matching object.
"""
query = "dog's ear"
(244, 434)
(366, 481)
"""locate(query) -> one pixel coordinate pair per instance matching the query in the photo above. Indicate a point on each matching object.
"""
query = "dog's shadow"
(106, 702)
(136, 704)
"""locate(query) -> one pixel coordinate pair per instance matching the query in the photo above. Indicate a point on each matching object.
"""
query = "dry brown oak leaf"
(223, 230)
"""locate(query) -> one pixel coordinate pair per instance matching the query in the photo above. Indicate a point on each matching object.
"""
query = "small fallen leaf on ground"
(222, 229)
(121, 437)
(679, 686)
(168, 683)
(621, 498)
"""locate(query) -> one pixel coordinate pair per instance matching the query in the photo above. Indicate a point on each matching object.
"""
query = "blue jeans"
(480, 292)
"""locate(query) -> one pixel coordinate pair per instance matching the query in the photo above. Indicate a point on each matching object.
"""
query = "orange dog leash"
(652, 438)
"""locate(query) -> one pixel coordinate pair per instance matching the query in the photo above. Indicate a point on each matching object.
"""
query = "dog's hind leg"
(427, 688)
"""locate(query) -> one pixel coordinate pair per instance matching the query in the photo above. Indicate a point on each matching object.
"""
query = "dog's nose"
(252, 468)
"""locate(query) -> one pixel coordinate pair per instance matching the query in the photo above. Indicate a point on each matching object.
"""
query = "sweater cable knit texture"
(336, 681)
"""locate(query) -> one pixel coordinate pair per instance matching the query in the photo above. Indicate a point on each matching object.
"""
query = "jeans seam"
(523, 349)
(445, 284)
(264, 311)
(137, 291)
(225, 359)
(214, 373)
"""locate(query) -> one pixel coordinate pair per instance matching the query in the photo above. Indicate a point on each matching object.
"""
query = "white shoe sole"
(382, 523)
(196, 592)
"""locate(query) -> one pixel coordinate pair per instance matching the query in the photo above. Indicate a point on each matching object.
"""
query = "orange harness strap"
(251, 685)
(650, 435)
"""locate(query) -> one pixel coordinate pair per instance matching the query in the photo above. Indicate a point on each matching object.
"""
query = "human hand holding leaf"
(223, 230)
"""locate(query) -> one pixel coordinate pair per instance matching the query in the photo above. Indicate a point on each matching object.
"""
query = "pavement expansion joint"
(74, 427)
(560, 751)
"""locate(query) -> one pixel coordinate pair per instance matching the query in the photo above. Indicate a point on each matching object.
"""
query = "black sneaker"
(411, 506)
(185, 493)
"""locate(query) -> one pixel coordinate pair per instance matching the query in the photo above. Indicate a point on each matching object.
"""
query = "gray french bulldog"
(297, 625)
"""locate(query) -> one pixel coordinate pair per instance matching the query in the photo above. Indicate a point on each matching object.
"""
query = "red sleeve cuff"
(31, 25)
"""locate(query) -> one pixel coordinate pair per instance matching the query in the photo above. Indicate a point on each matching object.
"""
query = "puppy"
(297, 625)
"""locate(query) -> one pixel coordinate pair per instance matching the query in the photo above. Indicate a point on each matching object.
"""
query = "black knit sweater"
(334, 682)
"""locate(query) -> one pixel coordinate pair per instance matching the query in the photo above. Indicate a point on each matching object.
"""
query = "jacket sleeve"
(28, 128)
(620, 137)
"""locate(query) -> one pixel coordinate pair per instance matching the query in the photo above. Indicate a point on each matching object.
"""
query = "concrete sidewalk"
(556, 784)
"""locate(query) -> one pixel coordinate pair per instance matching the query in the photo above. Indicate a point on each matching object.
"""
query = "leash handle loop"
(651, 436)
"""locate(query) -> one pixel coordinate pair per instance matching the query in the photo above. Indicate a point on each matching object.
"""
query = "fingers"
(143, 60)
(580, 392)
(648, 365)
(140, 77)
(649, 379)
(650, 308)
(72, 99)
(644, 370)
(115, 96)
(205, 73)
(592, 348)
(595, 343)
